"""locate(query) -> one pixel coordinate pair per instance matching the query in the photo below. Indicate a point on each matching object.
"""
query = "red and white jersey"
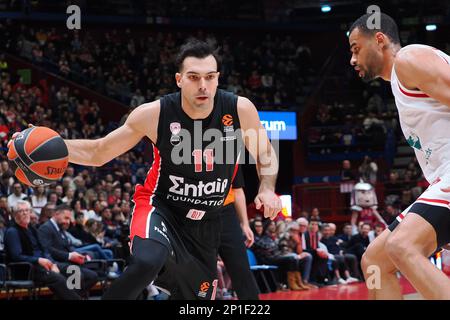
(425, 122)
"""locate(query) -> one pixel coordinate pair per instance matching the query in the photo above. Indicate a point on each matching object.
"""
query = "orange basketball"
(38, 156)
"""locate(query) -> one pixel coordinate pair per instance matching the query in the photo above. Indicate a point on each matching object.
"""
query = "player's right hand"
(270, 202)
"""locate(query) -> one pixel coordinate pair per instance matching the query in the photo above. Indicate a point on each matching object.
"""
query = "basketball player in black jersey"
(175, 226)
(235, 236)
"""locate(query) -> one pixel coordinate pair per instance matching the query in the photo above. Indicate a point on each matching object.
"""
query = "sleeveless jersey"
(194, 160)
(425, 122)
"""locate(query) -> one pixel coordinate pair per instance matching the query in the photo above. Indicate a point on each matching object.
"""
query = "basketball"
(38, 156)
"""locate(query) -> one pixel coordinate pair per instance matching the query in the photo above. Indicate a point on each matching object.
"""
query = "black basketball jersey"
(194, 160)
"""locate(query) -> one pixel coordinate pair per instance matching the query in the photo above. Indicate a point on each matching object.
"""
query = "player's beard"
(372, 69)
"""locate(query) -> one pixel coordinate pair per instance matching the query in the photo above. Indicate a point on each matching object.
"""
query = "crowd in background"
(133, 66)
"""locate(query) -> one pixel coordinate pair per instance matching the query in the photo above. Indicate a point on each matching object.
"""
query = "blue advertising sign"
(279, 125)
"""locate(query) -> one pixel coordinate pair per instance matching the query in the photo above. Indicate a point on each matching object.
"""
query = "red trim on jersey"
(235, 171)
(151, 181)
(142, 210)
(434, 201)
(402, 216)
(140, 220)
(414, 95)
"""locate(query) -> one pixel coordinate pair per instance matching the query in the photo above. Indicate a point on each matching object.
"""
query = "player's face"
(367, 56)
(198, 81)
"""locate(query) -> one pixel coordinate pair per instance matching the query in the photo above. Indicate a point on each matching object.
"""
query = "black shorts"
(433, 206)
(190, 272)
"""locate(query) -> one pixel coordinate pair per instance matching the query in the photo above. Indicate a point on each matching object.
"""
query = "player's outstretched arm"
(259, 146)
(142, 121)
(421, 68)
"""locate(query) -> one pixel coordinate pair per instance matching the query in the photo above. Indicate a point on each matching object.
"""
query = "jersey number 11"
(208, 154)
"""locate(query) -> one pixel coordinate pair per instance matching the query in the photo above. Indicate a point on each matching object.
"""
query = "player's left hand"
(249, 237)
(271, 203)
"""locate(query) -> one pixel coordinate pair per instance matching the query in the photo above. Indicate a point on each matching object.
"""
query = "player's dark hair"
(198, 49)
(387, 26)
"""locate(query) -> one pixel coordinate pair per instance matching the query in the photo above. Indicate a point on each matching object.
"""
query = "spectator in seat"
(5, 211)
(310, 244)
(342, 242)
(267, 251)
(368, 170)
(390, 214)
(55, 241)
(46, 213)
(115, 197)
(379, 228)
(315, 215)
(359, 242)
(346, 171)
(53, 199)
(88, 243)
(336, 254)
(257, 227)
(68, 198)
(23, 245)
(2, 233)
(110, 226)
(16, 195)
(39, 199)
(393, 189)
(290, 244)
(5, 185)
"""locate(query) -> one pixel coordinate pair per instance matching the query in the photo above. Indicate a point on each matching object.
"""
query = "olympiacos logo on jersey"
(175, 128)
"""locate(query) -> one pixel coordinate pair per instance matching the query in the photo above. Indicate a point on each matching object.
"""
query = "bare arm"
(419, 68)
(259, 146)
(143, 121)
(240, 204)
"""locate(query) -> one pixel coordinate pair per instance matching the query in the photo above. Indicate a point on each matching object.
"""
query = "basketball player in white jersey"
(420, 81)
